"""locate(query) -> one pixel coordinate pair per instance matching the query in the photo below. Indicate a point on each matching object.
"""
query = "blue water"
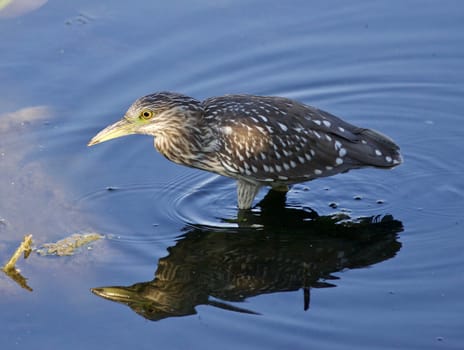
(393, 280)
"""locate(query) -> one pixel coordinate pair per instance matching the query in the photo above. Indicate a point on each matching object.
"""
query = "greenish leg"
(246, 193)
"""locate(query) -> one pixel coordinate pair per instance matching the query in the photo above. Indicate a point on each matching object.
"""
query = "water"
(390, 280)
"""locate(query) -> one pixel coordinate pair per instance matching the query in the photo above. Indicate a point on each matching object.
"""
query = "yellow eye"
(146, 114)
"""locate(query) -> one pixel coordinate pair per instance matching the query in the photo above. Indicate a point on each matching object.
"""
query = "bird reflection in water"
(294, 249)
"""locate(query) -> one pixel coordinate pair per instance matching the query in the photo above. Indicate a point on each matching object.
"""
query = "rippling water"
(375, 257)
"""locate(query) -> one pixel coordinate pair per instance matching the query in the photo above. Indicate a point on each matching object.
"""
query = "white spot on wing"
(283, 126)
(227, 130)
(229, 168)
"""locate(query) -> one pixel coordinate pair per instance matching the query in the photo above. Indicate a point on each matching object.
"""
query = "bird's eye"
(146, 114)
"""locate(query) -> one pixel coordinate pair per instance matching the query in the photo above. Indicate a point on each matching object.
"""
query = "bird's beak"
(121, 294)
(121, 128)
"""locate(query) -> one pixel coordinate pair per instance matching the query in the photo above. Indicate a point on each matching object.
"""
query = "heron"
(256, 140)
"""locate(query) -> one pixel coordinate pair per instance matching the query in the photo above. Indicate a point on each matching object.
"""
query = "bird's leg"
(246, 192)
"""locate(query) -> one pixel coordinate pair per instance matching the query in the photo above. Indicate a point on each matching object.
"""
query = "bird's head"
(151, 115)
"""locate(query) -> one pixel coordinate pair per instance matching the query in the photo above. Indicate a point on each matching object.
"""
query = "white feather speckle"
(227, 130)
(283, 126)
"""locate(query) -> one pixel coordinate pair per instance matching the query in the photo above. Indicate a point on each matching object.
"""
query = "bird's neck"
(192, 144)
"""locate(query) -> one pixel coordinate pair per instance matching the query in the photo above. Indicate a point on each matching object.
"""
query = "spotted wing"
(274, 139)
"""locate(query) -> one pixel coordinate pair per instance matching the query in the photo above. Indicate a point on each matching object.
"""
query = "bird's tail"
(375, 149)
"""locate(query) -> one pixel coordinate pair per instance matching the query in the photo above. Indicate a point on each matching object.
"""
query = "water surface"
(367, 259)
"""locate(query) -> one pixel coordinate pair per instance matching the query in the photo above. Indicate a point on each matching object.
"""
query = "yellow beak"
(118, 129)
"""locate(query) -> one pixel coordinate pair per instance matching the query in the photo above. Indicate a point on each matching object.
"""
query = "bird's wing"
(272, 139)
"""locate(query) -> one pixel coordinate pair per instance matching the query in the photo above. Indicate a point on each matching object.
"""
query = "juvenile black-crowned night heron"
(258, 140)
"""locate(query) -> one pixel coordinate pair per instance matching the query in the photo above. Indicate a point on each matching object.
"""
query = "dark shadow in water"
(293, 249)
